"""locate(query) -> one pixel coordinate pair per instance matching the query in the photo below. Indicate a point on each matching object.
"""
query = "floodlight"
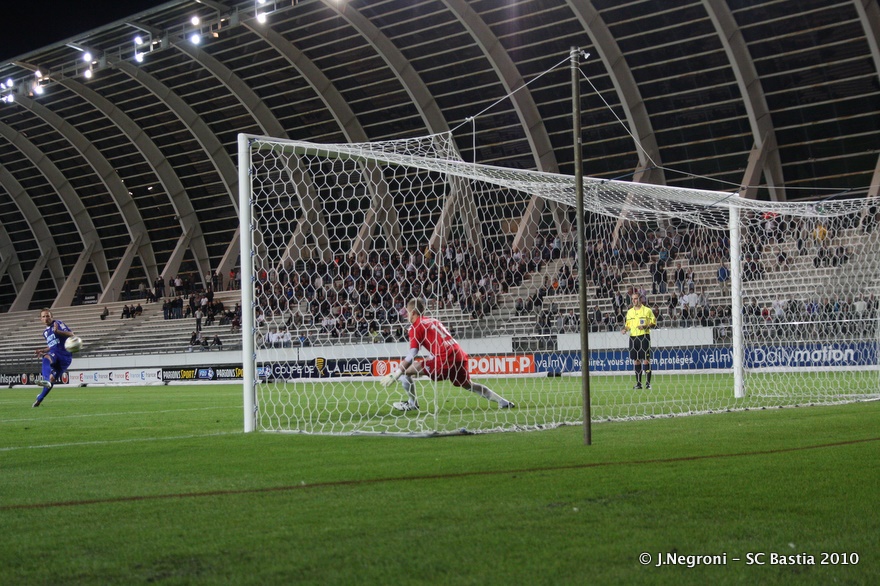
(261, 17)
(87, 57)
(88, 73)
(195, 38)
(195, 20)
(138, 56)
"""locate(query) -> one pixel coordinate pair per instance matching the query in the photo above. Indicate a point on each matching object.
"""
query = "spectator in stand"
(823, 256)
(572, 321)
(126, 312)
(723, 274)
(689, 304)
(672, 303)
(658, 276)
(751, 311)
(781, 258)
(689, 279)
(860, 307)
(217, 342)
(105, 313)
(778, 307)
(841, 256)
(680, 276)
(597, 320)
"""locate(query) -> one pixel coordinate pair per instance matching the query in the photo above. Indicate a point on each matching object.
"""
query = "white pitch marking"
(84, 415)
(122, 441)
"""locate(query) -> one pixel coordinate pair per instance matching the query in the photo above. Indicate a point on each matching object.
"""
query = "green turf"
(364, 406)
(158, 485)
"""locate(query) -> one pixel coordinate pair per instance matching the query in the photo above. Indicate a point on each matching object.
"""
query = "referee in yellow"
(639, 321)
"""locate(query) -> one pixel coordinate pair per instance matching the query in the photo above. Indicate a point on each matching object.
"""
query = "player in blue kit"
(56, 358)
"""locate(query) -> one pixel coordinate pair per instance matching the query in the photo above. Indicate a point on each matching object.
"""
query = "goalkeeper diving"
(448, 360)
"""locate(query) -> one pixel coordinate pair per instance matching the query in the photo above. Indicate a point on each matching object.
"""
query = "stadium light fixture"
(88, 73)
(87, 57)
(261, 17)
(195, 20)
(195, 38)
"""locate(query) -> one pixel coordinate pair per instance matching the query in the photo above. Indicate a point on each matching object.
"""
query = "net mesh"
(344, 235)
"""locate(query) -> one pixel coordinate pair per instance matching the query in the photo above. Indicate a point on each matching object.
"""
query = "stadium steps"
(153, 333)
(83, 320)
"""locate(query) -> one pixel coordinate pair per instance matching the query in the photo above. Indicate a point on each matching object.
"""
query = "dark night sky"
(28, 25)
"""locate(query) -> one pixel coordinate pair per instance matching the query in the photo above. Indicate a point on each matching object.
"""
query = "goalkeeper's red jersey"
(433, 336)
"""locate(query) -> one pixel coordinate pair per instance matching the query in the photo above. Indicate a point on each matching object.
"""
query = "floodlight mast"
(581, 241)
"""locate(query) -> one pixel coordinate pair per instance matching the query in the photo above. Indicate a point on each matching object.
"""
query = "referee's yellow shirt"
(642, 316)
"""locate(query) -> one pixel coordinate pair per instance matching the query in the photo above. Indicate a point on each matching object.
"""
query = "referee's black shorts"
(640, 347)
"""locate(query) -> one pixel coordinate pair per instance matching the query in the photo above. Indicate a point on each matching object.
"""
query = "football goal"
(758, 303)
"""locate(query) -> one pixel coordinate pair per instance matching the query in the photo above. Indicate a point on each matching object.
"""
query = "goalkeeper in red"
(56, 358)
(639, 321)
(447, 362)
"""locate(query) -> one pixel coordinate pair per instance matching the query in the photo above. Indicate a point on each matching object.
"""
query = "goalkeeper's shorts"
(455, 372)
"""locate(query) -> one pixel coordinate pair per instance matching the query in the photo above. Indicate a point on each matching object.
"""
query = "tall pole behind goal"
(581, 244)
(247, 286)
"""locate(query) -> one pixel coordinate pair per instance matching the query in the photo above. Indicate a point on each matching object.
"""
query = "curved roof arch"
(35, 217)
(717, 92)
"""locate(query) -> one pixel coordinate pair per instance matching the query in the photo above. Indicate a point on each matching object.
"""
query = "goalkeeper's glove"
(390, 378)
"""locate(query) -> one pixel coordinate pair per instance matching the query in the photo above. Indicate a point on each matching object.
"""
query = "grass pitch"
(159, 485)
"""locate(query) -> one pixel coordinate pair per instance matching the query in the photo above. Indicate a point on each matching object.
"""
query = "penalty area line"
(120, 441)
(450, 476)
(115, 414)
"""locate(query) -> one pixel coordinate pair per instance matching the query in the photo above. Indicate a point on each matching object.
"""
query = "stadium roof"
(131, 172)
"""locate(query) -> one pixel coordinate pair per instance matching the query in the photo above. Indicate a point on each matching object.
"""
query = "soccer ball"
(73, 344)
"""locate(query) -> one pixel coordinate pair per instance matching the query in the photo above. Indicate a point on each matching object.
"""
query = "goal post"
(759, 303)
(246, 229)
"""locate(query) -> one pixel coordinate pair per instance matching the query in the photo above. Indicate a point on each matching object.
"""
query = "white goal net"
(338, 238)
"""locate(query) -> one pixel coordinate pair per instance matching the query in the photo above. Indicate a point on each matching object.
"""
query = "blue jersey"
(56, 343)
